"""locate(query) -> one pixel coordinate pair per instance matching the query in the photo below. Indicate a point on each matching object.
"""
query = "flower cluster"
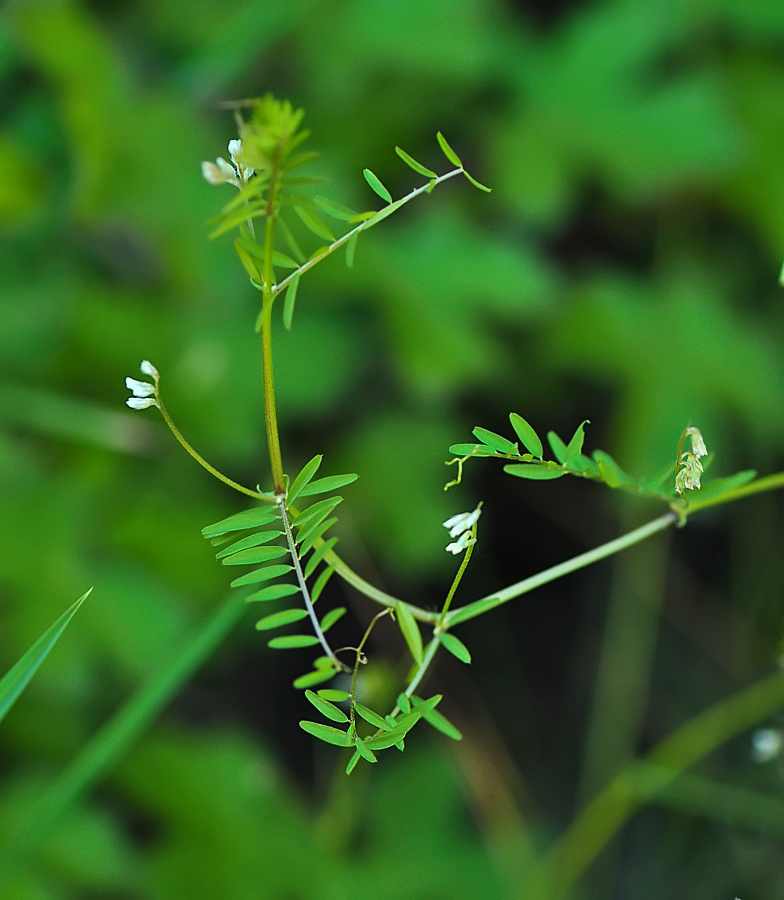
(144, 393)
(688, 476)
(461, 527)
(221, 172)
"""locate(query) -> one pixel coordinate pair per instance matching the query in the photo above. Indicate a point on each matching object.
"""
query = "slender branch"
(281, 504)
(571, 565)
(457, 579)
(363, 226)
(200, 459)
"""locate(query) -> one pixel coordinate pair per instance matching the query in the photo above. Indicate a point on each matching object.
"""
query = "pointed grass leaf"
(343, 213)
(417, 167)
(265, 574)
(310, 679)
(535, 472)
(449, 153)
(352, 763)
(284, 617)
(477, 184)
(351, 249)
(334, 695)
(249, 518)
(331, 617)
(327, 733)
(575, 446)
(312, 533)
(253, 540)
(410, 630)
(272, 592)
(496, 441)
(320, 584)
(327, 709)
(325, 485)
(314, 223)
(455, 646)
(306, 473)
(364, 751)
(376, 185)
(19, 675)
(255, 555)
(288, 303)
(557, 446)
(528, 437)
(318, 555)
(372, 718)
(293, 641)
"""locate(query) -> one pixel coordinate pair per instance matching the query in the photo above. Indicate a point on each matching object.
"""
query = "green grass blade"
(115, 738)
(17, 679)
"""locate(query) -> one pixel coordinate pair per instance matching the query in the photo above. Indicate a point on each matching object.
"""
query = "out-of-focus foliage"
(623, 270)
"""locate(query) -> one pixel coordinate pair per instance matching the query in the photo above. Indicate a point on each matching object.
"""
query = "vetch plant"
(284, 541)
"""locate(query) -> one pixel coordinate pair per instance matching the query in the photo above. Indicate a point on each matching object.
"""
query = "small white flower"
(461, 524)
(462, 543)
(149, 369)
(463, 521)
(141, 402)
(222, 172)
(140, 388)
(143, 392)
(766, 744)
(698, 447)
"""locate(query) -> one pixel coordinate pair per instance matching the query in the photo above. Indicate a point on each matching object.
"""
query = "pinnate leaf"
(528, 437)
(284, 617)
(455, 646)
(326, 733)
(410, 630)
(448, 151)
(416, 166)
(376, 185)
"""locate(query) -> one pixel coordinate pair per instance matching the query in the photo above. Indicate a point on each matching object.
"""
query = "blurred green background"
(624, 270)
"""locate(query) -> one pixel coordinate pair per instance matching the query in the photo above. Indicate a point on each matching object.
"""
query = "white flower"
(463, 521)
(462, 543)
(461, 524)
(141, 402)
(688, 476)
(222, 172)
(144, 393)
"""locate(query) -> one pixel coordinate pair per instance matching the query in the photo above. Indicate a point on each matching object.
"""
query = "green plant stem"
(571, 855)
(457, 579)
(363, 226)
(472, 610)
(270, 415)
(303, 584)
(200, 459)
(117, 736)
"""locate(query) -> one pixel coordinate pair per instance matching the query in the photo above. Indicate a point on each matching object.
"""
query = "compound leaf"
(376, 185)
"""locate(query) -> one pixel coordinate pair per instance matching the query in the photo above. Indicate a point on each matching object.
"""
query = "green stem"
(458, 578)
(303, 584)
(200, 459)
(768, 483)
(270, 415)
(363, 226)
(472, 610)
